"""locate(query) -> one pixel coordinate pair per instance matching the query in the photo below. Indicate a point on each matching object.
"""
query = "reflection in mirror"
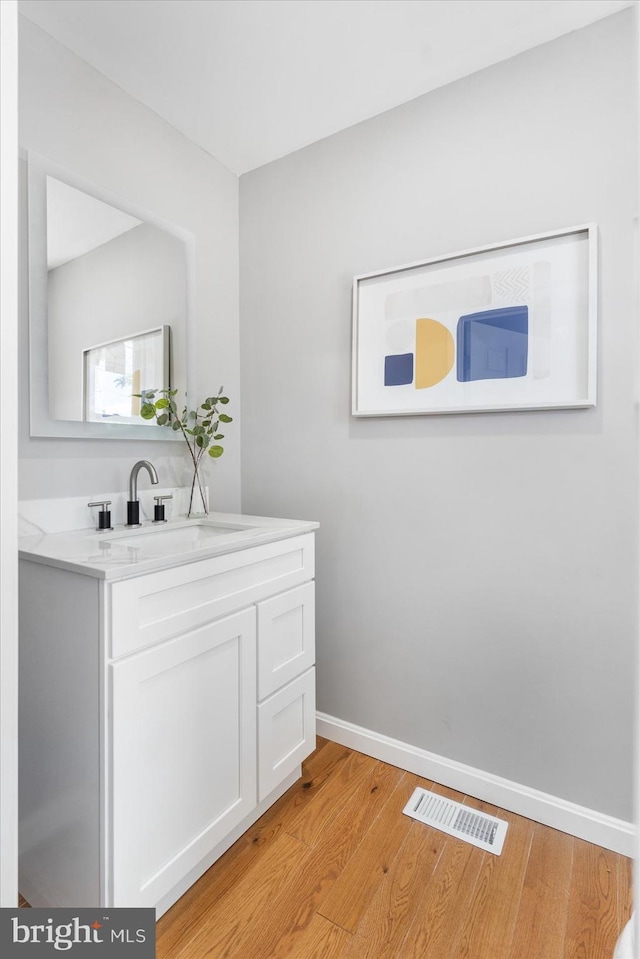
(110, 277)
(109, 294)
(115, 374)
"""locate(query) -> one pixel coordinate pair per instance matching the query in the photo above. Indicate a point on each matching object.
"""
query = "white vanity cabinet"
(161, 714)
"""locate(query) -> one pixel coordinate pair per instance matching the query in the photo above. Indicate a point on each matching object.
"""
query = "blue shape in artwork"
(398, 369)
(493, 344)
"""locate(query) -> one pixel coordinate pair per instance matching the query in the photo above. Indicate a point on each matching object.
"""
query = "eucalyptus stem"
(198, 427)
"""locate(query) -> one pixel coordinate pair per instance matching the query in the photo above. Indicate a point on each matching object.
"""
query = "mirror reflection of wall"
(111, 277)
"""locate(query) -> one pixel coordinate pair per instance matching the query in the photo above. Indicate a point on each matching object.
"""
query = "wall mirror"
(110, 290)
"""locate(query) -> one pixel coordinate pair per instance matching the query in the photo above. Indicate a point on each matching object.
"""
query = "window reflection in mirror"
(115, 373)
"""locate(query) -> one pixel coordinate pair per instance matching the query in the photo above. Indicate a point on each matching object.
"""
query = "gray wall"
(74, 117)
(476, 573)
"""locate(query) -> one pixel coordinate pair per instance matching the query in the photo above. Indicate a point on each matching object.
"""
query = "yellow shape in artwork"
(435, 353)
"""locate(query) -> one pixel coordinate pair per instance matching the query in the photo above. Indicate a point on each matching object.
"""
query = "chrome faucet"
(133, 506)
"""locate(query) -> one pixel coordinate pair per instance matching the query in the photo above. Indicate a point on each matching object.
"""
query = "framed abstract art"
(505, 327)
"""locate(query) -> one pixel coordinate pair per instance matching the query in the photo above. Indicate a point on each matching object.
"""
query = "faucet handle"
(158, 509)
(104, 516)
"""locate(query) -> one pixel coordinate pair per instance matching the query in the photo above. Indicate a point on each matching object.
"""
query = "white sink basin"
(164, 541)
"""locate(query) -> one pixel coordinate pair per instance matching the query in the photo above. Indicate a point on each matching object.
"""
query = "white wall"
(79, 120)
(476, 574)
(8, 454)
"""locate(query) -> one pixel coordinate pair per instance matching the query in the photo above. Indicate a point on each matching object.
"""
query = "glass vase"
(198, 506)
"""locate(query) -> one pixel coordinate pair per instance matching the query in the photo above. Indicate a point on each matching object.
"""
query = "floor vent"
(475, 827)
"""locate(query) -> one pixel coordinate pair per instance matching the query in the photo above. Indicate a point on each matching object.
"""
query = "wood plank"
(542, 916)
(314, 814)
(308, 884)
(384, 926)
(592, 924)
(624, 879)
(321, 940)
(488, 927)
(180, 922)
(220, 927)
(184, 919)
(356, 886)
(317, 769)
(437, 925)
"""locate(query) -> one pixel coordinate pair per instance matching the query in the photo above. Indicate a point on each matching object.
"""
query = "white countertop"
(124, 553)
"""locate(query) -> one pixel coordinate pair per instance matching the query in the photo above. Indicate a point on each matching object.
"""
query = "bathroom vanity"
(167, 700)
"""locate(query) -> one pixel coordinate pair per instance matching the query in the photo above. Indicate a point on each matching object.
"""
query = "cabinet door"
(182, 754)
(286, 731)
(286, 638)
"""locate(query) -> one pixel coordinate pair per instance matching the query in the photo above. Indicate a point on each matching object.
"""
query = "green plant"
(199, 427)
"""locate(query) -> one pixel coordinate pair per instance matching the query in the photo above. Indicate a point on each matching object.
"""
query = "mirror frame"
(40, 422)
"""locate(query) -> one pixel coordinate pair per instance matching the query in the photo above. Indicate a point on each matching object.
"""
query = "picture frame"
(510, 326)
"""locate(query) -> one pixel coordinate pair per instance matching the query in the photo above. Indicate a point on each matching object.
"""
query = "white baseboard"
(587, 824)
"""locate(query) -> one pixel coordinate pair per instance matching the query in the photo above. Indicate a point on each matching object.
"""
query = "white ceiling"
(253, 80)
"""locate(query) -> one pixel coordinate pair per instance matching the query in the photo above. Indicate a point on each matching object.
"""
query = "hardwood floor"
(334, 870)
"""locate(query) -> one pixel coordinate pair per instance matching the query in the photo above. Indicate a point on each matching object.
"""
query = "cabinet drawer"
(286, 731)
(152, 608)
(286, 638)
